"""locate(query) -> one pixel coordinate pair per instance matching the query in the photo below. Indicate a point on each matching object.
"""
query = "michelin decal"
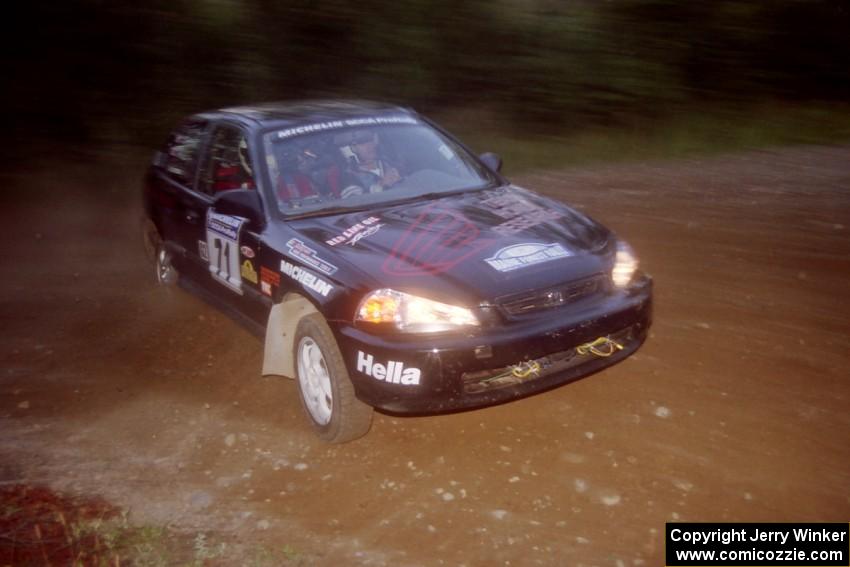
(350, 122)
(305, 278)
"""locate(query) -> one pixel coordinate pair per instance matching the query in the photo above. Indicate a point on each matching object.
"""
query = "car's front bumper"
(403, 374)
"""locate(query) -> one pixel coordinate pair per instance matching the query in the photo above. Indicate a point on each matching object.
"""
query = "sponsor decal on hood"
(357, 232)
(520, 256)
(521, 213)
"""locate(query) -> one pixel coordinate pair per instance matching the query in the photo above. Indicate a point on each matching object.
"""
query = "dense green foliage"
(112, 71)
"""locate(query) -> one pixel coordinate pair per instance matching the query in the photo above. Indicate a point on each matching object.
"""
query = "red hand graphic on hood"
(436, 241)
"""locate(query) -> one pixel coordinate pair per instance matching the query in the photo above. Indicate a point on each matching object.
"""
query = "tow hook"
(526, 369)
(603, 346)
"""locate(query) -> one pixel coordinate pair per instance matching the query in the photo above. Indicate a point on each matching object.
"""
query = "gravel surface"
(734, 410)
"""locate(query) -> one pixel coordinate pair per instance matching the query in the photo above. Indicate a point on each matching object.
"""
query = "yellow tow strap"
(603, 346)
(525, 369)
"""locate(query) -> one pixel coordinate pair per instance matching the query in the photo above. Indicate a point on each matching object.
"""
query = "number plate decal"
(223, 249)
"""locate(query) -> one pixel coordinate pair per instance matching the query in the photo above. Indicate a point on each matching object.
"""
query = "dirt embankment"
(735, 409)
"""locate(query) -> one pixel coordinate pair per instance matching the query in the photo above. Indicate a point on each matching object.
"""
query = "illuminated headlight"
(412, 314)
(625, 265)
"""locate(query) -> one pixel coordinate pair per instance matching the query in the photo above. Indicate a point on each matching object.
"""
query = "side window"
(181, 151)
(228, 163)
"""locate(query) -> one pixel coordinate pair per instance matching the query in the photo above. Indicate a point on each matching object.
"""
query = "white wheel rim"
(164, 269)
(315, 381)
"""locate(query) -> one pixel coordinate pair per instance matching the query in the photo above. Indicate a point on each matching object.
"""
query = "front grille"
(557, 296)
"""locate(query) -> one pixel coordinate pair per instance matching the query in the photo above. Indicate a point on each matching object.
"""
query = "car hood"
(472, 246)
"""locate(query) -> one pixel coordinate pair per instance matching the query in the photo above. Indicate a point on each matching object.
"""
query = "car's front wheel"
(327, 393)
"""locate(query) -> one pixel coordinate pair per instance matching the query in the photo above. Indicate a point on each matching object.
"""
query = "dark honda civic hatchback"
(385, 265)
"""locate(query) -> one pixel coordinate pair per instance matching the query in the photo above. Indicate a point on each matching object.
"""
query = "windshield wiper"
(439, 194)
(390, 203)
(326, 211)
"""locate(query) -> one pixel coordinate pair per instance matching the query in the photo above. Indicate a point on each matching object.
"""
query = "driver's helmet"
(362, 136)
(347, 140)
(307, 158)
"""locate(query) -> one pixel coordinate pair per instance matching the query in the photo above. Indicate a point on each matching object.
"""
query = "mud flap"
(280, 335)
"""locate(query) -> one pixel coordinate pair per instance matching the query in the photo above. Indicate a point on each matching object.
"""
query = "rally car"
(385, 265)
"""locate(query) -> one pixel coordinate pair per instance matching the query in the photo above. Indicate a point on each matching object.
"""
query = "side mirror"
(243, 203)
(491, 160)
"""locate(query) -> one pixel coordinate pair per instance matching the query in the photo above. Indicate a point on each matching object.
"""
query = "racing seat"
(323, 182)
(295, 186)
(229, 177)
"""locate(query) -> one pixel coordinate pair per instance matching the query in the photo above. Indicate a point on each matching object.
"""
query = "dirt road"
(736, 409)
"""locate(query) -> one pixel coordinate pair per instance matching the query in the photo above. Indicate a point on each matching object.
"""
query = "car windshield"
(365, 162)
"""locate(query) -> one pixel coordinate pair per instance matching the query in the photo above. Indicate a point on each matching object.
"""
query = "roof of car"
(304, 111)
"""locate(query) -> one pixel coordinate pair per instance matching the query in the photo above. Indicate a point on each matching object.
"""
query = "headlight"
(625, 265)
(412, 314)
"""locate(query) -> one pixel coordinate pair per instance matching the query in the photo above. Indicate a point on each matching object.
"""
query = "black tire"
(150, 238)
(324, 387)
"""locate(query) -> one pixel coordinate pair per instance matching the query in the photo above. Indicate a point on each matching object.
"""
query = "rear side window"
(181, 151)
(227, 164)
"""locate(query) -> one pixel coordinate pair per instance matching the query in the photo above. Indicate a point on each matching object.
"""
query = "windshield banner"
(349, 123)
